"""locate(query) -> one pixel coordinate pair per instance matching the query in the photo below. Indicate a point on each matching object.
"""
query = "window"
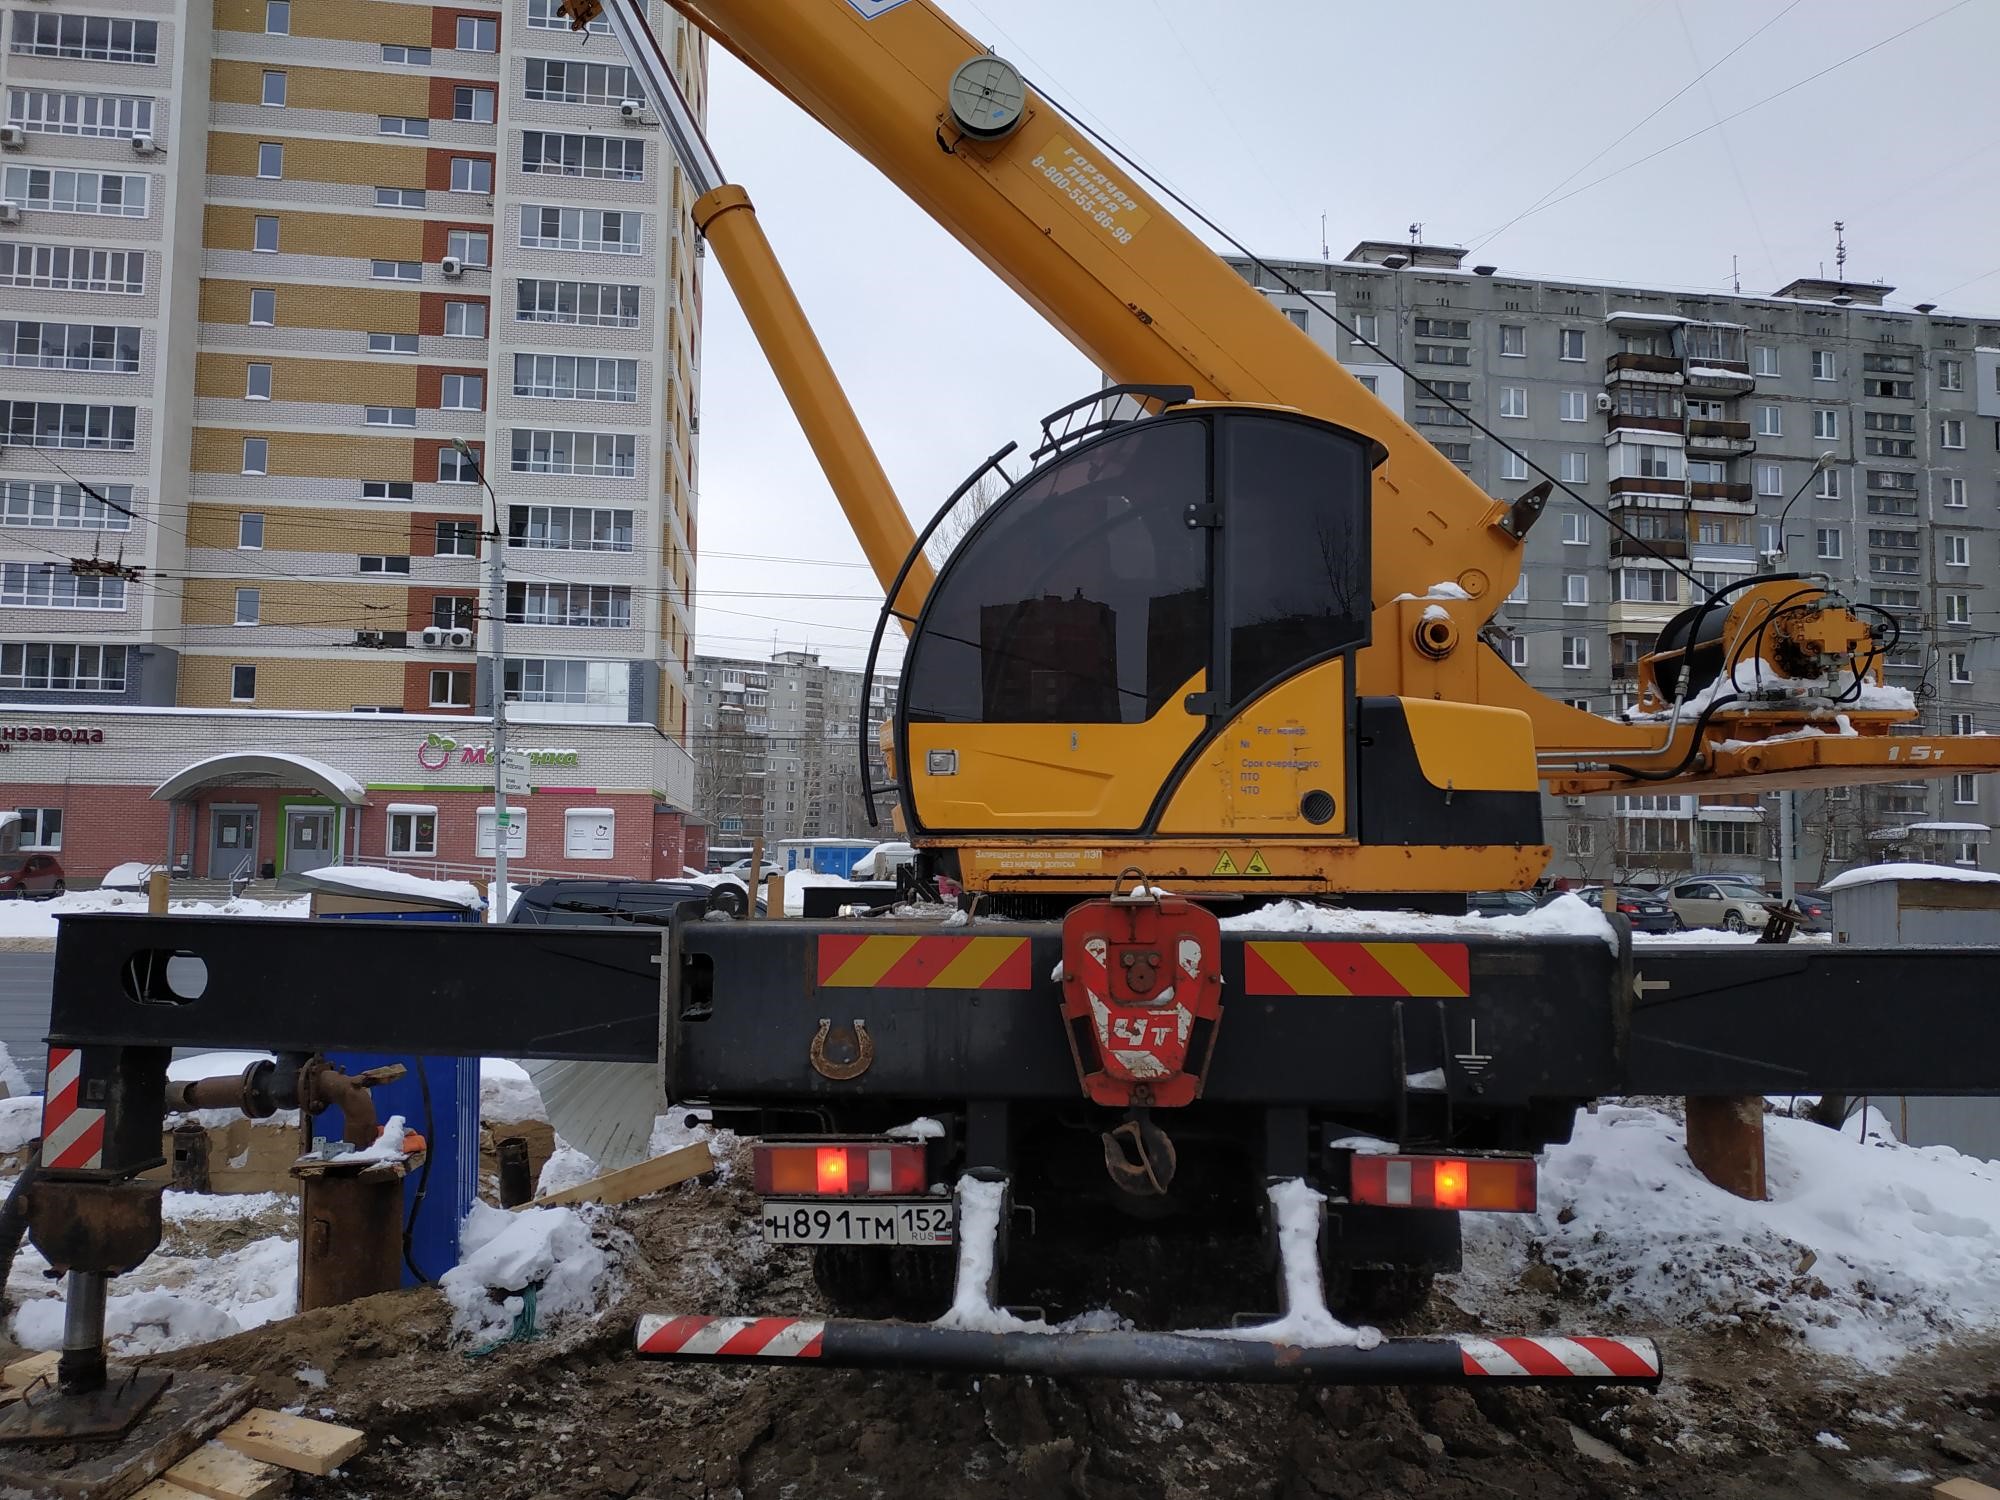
(109, 116)
(1581, 840)
(1433, 403)
(1951, 493)
(1823, 367)
(1365, 329)
(87, 38)
(457, 539)
(600, 689)
(390, 416)
(248, 606)
(255, 452)
(449, 690)
(42, 504)
(1517, 651)
(588, 833)
(1513, 466)
(72, 268)
(1958, 552)
(477, 34)
(1958, 609)
(457, 468)
(103, 348)
(1826, 422)
(1744, 840)
(399, 197)
(414, 57)
(544, 16)
(564, 528)
(1647, 401)
(1576, 467)
(471, 246)
(256, 382)
(1643, 586)
(576, 377)
(53, 586)
(1770, 421)
(1519, 593)
(1828, 487)
(413, 830)
(1959, 665)
(1576, 528)
(1513, 401)
(277, 17)
(243, 680)
(1827, 541)
(1951, 374)
(593, 304)
(1443, 354)
(1963, 724)
(1575, 406)
(454, 612)
(1968, 852)
(41, 828)
(610, 231)
(1570, 344)
(263, 307)
(397, 270)
(250, 531)
(621, 157)
(392, 343)
(562, 82)
(58, 666)
(62, 191)
(591, 605)
(270, 159)
(465, 320)
(1443, 328)
(1884, 447)
(416, 125)
(1707, 471)
(274, 90)
(1576, 652)
(1370, 384)
(1892, 479)
(1513, 341)
(64, 424)
(265, 234)
(375, 563)
(463, 393)
(1296, 316)
(538, 450)
(1459, 454)
(1576, 588)
(517, 833)
(1722, 531)
(1951, 433)
(473, 104)
(1765, 360)
(471, 174)
(388, 489)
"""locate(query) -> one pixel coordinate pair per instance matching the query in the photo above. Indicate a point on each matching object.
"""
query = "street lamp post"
(496, 613)
(1787, 810)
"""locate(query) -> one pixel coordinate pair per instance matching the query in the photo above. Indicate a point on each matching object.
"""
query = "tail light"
(1630, 908)
(1504, 1184)
(819, 1169)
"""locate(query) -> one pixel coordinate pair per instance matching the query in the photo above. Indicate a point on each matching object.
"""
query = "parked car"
(1501, 903)
(1647, 911)
(1818, 910)
(597, 903)
(23, 875)
(741, 870)
(1714, 902)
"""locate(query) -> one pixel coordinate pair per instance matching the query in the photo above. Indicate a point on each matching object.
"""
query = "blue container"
(450, 1128)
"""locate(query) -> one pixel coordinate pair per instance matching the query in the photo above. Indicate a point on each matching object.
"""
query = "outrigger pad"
(1223, 1355)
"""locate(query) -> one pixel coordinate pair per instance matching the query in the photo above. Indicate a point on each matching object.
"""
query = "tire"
(60, 888)
(1675, 924)
(1733, 920)
(729, 900)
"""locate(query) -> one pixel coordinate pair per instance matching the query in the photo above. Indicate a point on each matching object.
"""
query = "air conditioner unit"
(629, 108)
(460, 638)
(1573, 801)
(10, 212)
(13, 137)
(433, 636)
(451, 265)
(144, 145)
(1604, 402)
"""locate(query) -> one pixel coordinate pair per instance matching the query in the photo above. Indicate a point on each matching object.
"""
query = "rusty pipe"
(323, 1086)
(260, 1090)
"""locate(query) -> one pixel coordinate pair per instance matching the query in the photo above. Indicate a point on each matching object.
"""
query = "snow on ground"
(507, 1095)
(385, 882)
(38, 918)
(504, 1253)
(12, 1079)
(1870, 874)
(680, 1127)
(1867, 1251)
(1307, 1323)
(566, 1168)
(1716, 935)
(131, 876)
(1565, 916)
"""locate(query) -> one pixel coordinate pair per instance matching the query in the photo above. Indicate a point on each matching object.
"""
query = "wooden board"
(165, 1489)
(273, 1437)
(23, 1373)
(632, 1182)
(189, 1412)
(222, 1473)
(1965, 1489)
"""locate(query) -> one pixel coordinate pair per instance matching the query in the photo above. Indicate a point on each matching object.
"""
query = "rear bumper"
(846, 1343)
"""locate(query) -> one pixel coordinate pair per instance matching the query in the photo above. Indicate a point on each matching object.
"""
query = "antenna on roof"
(1839, 250)
(1325, 250)
(1416, 234)
(1735, 276)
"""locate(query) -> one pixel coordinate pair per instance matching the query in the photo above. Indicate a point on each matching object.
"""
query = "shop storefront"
(218, 794)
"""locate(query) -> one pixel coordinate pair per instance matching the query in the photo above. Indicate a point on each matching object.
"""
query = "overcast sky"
(1268, 114)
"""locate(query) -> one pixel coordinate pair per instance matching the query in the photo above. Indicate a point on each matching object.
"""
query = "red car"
(23, 875)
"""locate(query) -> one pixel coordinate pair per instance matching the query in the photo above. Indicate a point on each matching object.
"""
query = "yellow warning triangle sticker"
(1256, 865)
(1224, 865)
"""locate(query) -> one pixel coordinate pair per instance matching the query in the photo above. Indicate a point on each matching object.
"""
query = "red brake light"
(1629, 907)
(810, 1169)
(832, 1177)
(1504, 1184)
(1448, 1179)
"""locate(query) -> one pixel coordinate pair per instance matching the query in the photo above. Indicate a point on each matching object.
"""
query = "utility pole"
(496, 614)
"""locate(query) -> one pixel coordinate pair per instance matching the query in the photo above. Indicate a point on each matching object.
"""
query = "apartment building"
(264, 265)
(1817, 428)
(776, 747)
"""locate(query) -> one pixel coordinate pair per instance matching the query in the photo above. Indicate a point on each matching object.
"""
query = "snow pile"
(882, 862)
(1870, 874)
(178, 1300)
(131, 876)
(507, 1095)
(1565, 916)
(20, 1122)
(12, 1079)
(1306, 1324)
(1444, 590)
(1756, 684)
(1700, 936)
(1867, 1251)
(389, 1145)
(566, 1168)
(506, 1254)
(498, 911)
(923, 1128)
(376, 881)
(796, 882)
(37, 919)
(680, 1127)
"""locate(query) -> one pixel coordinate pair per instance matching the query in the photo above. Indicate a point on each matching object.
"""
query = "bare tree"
(962, 517)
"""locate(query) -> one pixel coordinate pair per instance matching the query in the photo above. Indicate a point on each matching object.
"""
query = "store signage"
(440, 750)
(50, 734)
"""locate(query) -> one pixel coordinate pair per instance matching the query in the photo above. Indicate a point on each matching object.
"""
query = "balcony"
(1739, 494)
(1641, 547)
(1643, 369)
(1720, 439)
(1618, 419)
(1727, 376)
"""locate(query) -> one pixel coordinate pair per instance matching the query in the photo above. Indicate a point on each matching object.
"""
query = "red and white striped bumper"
(859, 1344)
(72, 1135)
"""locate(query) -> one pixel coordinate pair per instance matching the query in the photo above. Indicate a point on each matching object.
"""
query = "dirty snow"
(1306, 1323)
(566, 1168)
(1714, 936)
(507, 1095)
(38, 918)
(1870, 874)
(171, 1301)
(20, 1121)
(1565, 916)
(379, 881)
(503, 1253)
(12, 1079)
(1865, 1251)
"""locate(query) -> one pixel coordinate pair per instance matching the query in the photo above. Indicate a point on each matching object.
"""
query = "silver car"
(1714, 902)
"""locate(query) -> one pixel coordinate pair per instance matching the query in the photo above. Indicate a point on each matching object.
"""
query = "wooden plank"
(275, 1437)
(632, 1182)
(224, 1474)
(1964, 1489)
(165, 1489)
(24, 1372)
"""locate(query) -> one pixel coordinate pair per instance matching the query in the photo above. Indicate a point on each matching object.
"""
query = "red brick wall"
(430, 311)
(430, 383)
(437, 163)
(694, 846)
(424, 463)
(437, 236)
(444, 25)
(458, 837)
(417, 686)
(441, 88)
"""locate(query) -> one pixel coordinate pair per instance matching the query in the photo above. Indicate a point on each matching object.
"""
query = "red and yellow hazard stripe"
(882, 961)
(1422, 970)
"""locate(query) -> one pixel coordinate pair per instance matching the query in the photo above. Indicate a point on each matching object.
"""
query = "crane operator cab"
(1142, 656)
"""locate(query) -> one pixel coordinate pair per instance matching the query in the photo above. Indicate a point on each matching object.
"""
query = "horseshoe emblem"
(840, 1072)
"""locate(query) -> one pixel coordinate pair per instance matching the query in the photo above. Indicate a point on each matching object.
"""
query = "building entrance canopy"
(262, 768)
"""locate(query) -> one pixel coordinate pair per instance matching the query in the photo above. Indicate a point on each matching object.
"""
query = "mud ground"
(577, 1415)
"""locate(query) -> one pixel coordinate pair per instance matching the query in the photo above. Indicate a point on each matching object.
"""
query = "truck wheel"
(1390, 1293)
(853, 1278)
(922, 1283)
(729, 900)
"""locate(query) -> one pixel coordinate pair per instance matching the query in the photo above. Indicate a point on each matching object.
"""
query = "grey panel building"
(1698, 423)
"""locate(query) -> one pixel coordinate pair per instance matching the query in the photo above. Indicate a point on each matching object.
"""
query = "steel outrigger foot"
(851, 1343)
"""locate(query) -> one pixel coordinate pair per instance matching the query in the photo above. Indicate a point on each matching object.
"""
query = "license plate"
(789, 1222)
